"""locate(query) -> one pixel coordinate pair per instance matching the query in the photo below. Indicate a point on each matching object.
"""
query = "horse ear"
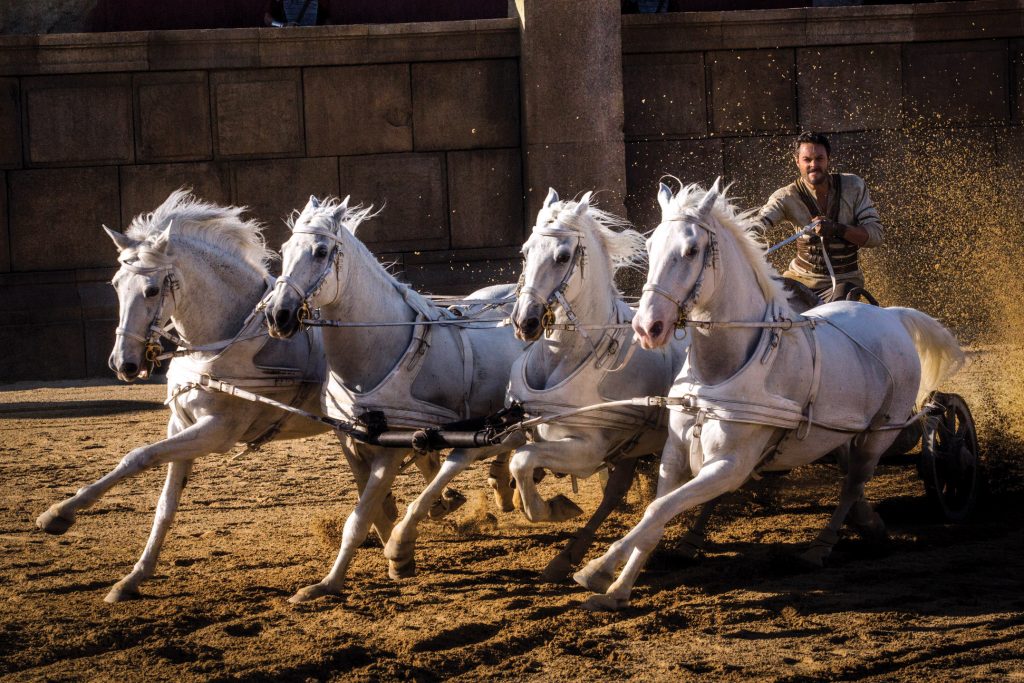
(163, 242)
(344, 202)
(551, 198)
(710, 198)
(121, 240)
(584, 204)
(313, 202)
(664, 197)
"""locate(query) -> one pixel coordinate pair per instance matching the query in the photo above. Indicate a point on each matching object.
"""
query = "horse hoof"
(503, 495)
(402, 571)
(593, 578)
(122, 592)
(815, 556)
(52, 522)
(692, 545)
(603, 603)
(558, 569)
(317, 590)
(867, 523)
(563, 509)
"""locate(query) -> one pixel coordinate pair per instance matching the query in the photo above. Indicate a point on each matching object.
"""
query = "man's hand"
(823, 227)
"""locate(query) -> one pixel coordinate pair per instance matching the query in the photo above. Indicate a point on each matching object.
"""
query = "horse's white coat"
(358, 288)
(871, 366)
(217, 262)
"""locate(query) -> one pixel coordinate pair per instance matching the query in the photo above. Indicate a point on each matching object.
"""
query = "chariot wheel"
(950, 465)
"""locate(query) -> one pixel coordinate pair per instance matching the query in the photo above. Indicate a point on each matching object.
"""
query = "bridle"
(333, 262)
(711, 259)
(557, 296)
(157, 328)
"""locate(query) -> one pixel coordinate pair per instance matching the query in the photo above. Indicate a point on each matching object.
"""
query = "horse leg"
(562, 455)
(383, 518)
(450, 500)
(383, 466)
(861, 467)
(499, 478)
(619, 480)
(695, 539)
(205, 436)
(714, 479)
(128, 587)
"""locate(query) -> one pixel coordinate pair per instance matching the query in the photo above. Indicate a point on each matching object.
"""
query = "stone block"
(56, 214)
(648, 163)
(849, 88)
(752, 91)
(48, 351)
(574, 168)
(99, 318)
(756, 167)
(358, 109)
(273, 189)
(42, 331)
(664, 95)
(10, 123)
(571, 63)
(99, 341)
(223, 49)
(956, 82)
(145, 187)
(78, 120)
(410, 191)
(5, 238)
(460, 276)
(485, 190)
(465, 105)
(258, 113)
(172, 116)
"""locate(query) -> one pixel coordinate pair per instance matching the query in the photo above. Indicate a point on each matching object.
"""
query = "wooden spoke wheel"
(950, 465)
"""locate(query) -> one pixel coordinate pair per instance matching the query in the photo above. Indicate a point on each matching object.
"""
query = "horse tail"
(938, 349)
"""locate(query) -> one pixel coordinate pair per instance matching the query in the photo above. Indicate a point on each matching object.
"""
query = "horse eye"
(151, 291)
(320, 251)
(691, 251)
(562, 257)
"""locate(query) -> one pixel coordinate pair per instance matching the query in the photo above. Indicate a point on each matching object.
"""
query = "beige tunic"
(854, 208)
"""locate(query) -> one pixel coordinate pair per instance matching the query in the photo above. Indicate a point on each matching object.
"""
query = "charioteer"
(838, 209)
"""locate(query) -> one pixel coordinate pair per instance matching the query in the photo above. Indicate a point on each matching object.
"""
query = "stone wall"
(924, 101)
(422, 120)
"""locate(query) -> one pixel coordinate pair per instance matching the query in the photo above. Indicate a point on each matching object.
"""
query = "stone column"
(571, 81)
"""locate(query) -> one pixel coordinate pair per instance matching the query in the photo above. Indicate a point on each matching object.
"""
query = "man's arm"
(866, 230)
(773, 212)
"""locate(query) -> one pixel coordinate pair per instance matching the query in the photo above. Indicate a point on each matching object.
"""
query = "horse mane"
(625, 246)
(323, 216)
(221, 227)
(746, 231)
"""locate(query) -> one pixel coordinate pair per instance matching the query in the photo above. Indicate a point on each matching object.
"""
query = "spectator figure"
(296, 13)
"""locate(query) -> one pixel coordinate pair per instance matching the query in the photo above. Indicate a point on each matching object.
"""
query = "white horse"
(419, 375)
(763, 388)
(587, 356)
(202, 267)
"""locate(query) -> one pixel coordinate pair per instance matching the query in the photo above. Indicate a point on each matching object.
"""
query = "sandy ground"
(941, 602)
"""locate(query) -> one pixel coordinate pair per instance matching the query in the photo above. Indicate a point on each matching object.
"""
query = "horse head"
(681, 253)
(145, 293)
(311, 263)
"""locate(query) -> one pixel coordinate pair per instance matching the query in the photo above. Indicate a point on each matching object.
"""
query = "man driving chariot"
(838, 210)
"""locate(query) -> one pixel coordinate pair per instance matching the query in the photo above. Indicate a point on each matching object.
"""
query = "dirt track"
(941, 602)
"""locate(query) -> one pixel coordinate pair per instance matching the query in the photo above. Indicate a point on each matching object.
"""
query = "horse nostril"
(530, 325)
(654, 331)
(129, 369)
(282, 317)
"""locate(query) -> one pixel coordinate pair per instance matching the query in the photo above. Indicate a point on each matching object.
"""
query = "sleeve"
(866, 216)
(773, 212)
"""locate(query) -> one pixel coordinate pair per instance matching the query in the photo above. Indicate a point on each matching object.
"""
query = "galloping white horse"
(567, 285)
(203, 268)
(419, 375)
(763, 388)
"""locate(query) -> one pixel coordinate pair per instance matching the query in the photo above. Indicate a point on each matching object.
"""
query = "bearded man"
(839, 210)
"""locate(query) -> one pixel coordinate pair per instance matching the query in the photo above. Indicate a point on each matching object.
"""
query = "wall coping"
(802, 27)
(68, 53)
